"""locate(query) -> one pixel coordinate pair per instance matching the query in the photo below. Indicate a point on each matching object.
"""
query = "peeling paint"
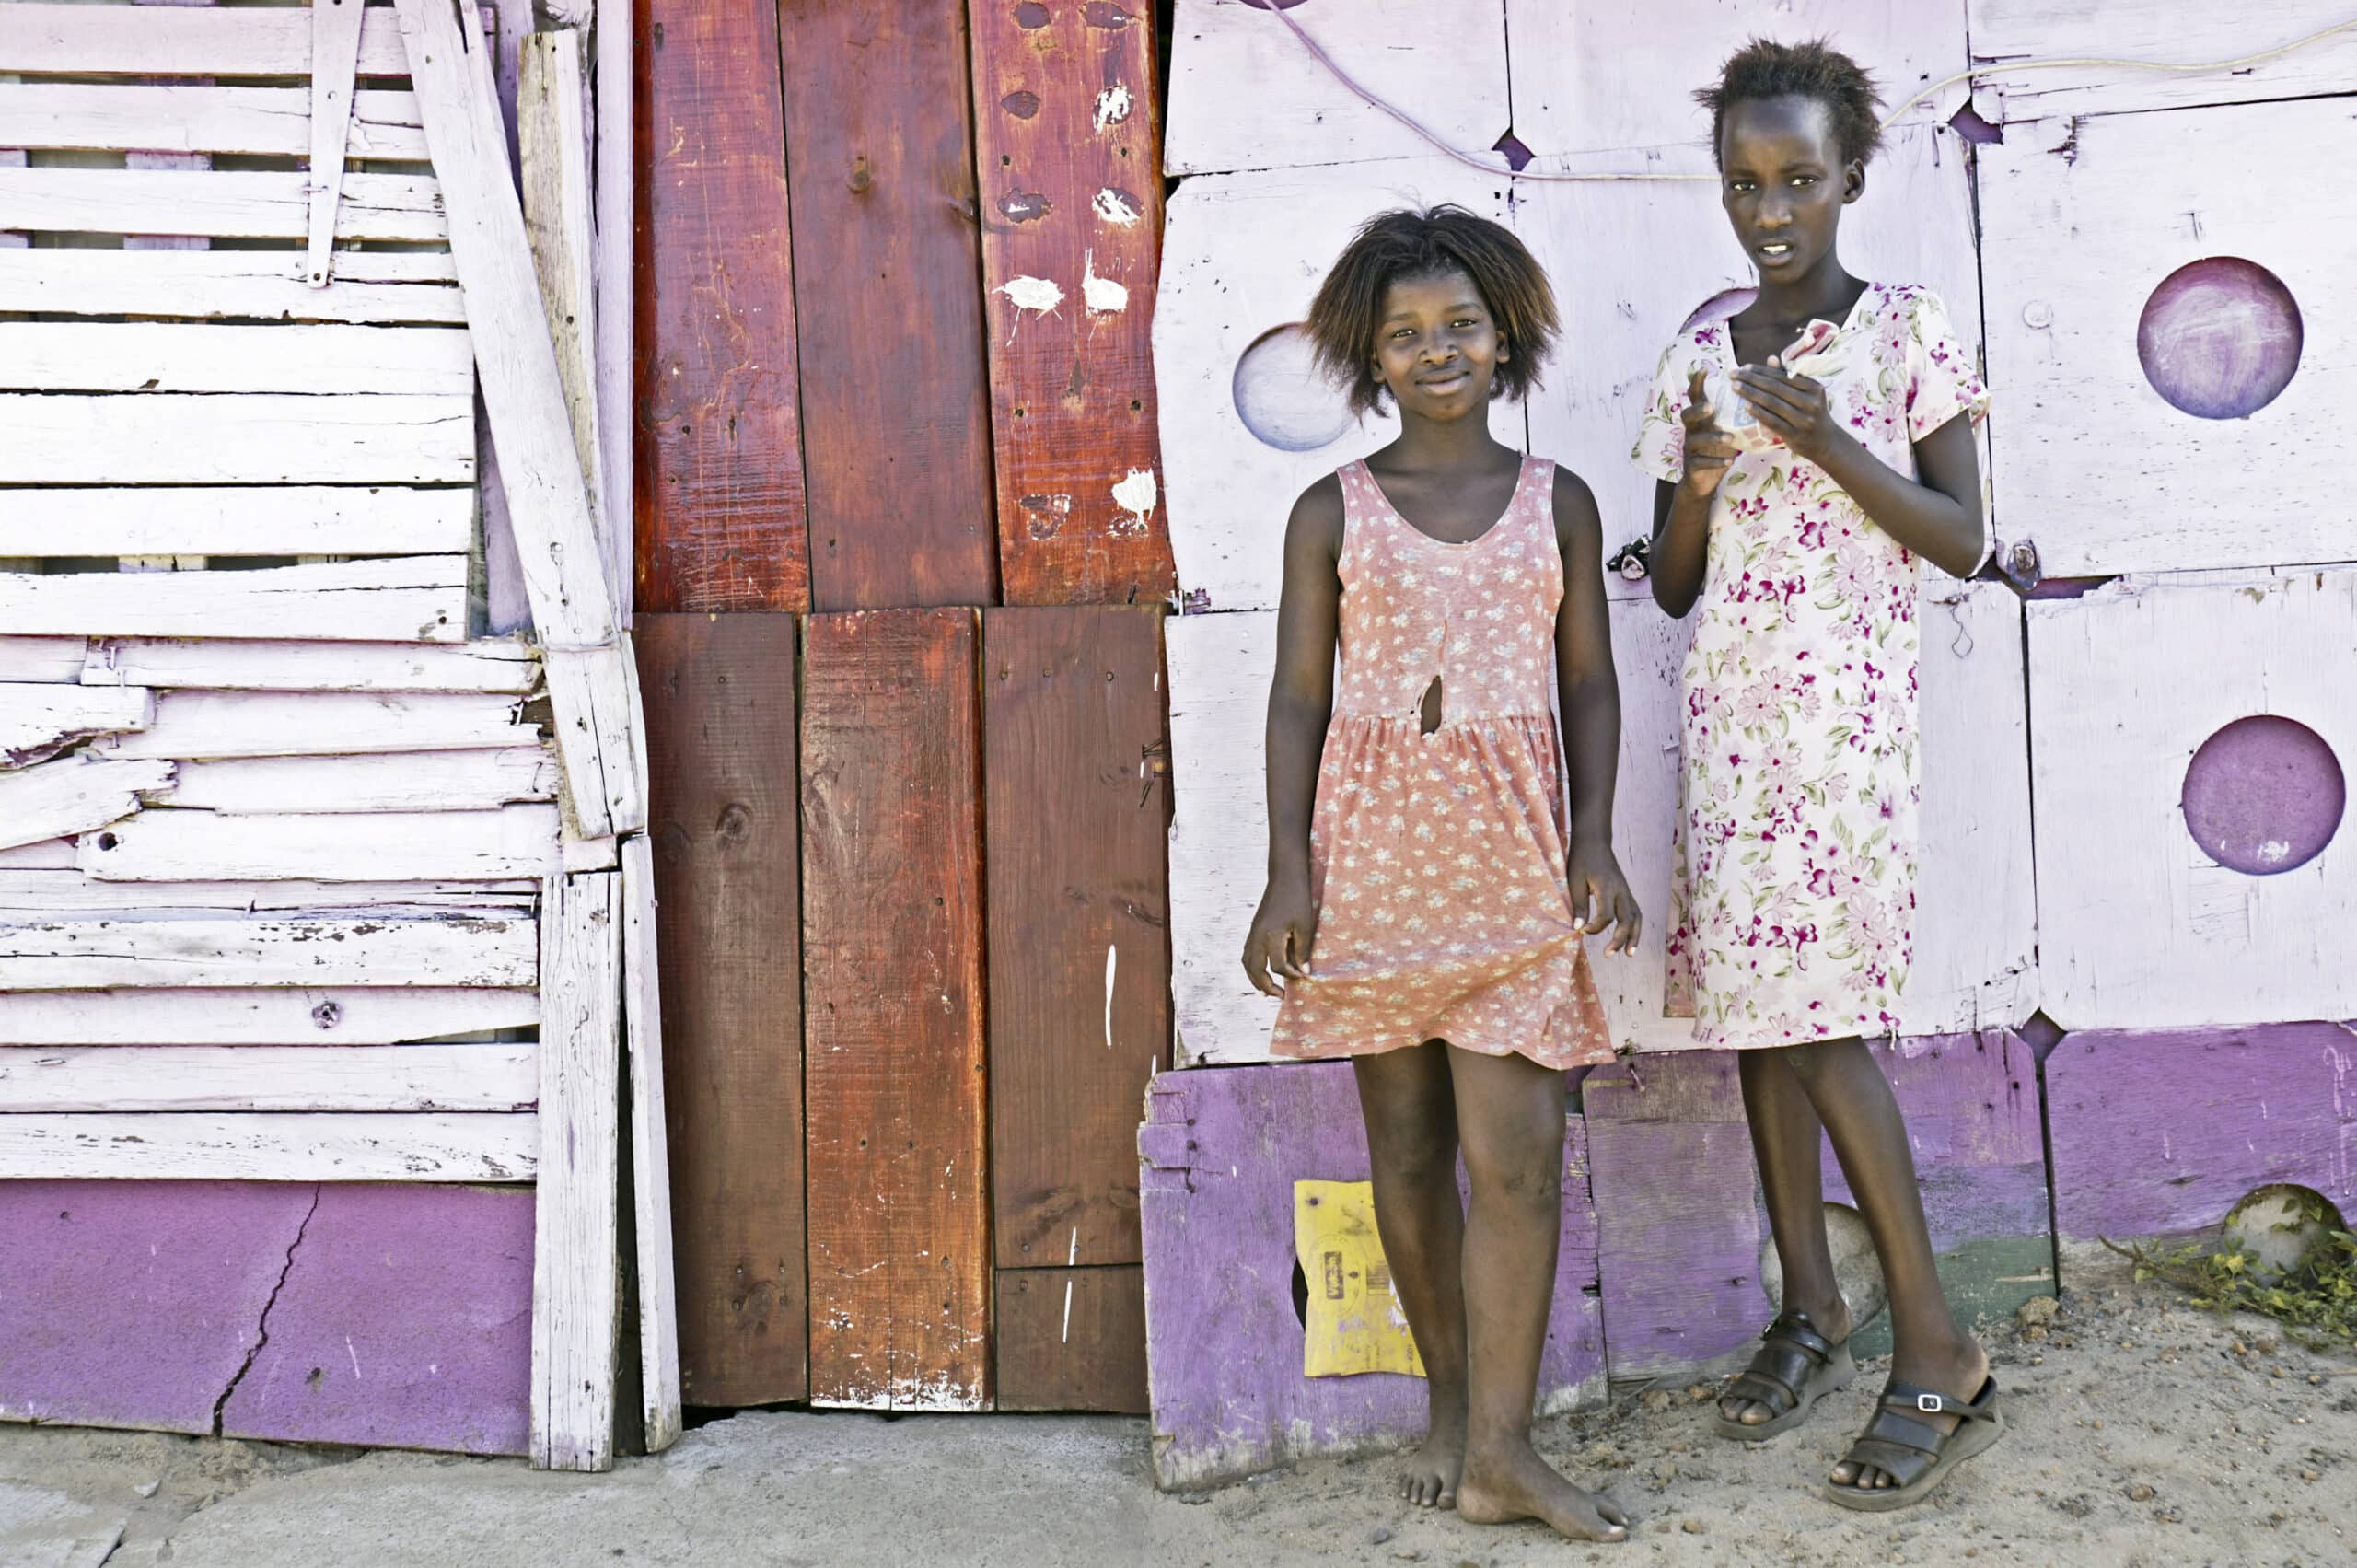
(1103, 295)
(1114, 106)
(1026, 206)
(1135, 495)
(1039, 295)
(1116, 206)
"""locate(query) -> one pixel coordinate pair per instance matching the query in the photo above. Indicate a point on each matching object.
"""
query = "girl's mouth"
(1776, 251)
(1442, 385)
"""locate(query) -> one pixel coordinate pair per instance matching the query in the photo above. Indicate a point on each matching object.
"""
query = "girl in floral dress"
(1811, 450)
(1428, 891)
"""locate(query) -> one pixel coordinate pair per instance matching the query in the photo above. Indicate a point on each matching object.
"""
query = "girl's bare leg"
(1790, 1142)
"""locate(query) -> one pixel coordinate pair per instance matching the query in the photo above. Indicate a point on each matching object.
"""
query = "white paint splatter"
(1041, 295)
(1113, 966)
(2274, 852)
(354, 1355)
(1067, 1311)
(1104, 295)
(1136, 494)
(1114, 207)
(1114, 106)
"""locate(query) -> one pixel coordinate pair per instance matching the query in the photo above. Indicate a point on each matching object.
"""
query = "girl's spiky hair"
(1814, 70)
(1412, 243)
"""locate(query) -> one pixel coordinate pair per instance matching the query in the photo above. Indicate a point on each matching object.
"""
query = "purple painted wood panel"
(1221, 1150)
(2162, 1132)
(1679, 1226)
(405, 1322)
(135, 1304)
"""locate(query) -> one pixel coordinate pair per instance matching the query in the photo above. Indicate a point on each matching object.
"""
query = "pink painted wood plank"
(405, 1322)
(135, 1304)
(2159, 1133)
(1221, 1150)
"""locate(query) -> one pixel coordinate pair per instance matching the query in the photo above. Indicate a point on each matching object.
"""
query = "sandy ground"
(2142, 1433)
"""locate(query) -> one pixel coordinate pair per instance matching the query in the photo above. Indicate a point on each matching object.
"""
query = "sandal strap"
(1903, 1462)
(1899, 1419)
(1757, 1383)
(1793, 1328)
(1791, 1355)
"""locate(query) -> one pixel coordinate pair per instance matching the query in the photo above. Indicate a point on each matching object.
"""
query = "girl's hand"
(1708, 449)
(1792, 407)
(1600, 897)
(1283, 929)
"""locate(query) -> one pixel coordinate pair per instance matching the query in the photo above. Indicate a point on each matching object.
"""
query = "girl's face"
(1436, 347)
(1783, 182)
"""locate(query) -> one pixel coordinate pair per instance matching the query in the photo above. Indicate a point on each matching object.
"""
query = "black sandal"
(1794, 1369)
(1917, 1454)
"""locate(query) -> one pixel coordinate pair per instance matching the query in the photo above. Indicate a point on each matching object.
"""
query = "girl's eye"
(1805, 180)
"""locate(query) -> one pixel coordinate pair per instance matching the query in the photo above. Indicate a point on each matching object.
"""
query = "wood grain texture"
(1072, 1340)
(241, 204)
(2008, 30)
(58, 892)
(655, 1292)
(723, 740)
(93, 953)
(265, 438)
(895, 424)
(501, 665)
(722, 516)
(206, 846)
(404, 781)
(892, 975)
(420, 598)
(74, 40)
(374, 285)
(615, 159)
(271, 1147)
(1065, 139)
(190, 724)
(288, 1078)
(374, 1016)
(39, 718)
(74, 795)
(1076, 803)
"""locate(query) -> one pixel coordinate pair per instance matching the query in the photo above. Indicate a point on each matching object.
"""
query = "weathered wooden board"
(74, 795)
(401, 1322)
(192, 724)
(1241, 436)
(184, 118)
(1220, 1153)
(377, 1015)
(1682, 1239)
(892, 973)
(288, 1078)
(599, 734)
(206, 846)
(1915, 225)
(1618, 75)
(270, 1146)
(656, 1295)
(39, 718)
(370, 286)
(243, 204)
(43, 658)
(73, 40)
(94, 953)
(153, 1294)
(1244, 94)
(413, 781)
(2085, 218)
(65, 891)
(293, 519)
(44, 854)
(2082, 35)
(502, 665)
(2140, 927)
(896, 426)
(169, 438)
(1075, 777)
(1072, 1340)
(722, 743)
(418, 599)
(1065, 139)
(722, 513)
(577, 1262)
(2162, 1132)
(153, 356)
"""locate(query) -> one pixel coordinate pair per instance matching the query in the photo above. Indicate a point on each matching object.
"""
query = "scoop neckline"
(1727, 324)
(1521, 479)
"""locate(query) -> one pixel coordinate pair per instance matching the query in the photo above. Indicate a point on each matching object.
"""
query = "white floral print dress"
(1792, 879)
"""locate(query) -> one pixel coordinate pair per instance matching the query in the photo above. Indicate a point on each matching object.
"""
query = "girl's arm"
(1589, 694)
(1301, 700)
(1682, 511)
(1938, 517)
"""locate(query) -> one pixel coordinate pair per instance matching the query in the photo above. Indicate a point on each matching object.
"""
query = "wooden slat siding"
(266, 439)
(656, 1295)
(234, 1017)
(205, 846)
(302, 723)
(235, 204)
(180, 118)
(291, 519)
(576, 1278)
(371, 285)
(1072, 1340)
(1076, 819)
(156, 356)
(43, 659)
(290, 1077)
(96, 953)
(73, 795)
(271, 1147)
(335, 58)
(420, 598)
(83, 41)
(37, 718)
(405, 781)
(722, 512)
(616, 157)
(499, 665)
(59, 891)
(1065, 119)
(892, 971)
(895, 405)
(723, 741)
(46, 854)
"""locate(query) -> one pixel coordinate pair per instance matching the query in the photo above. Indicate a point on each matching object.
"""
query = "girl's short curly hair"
(1413, 243)
(1814, 70)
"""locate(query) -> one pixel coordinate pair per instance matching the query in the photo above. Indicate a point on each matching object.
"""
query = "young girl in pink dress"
(1428, 890)
(1811, 450)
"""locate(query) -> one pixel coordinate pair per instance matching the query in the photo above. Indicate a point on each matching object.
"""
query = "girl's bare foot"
(1428, 1478)
(1958, 1375)
(1513, 1482)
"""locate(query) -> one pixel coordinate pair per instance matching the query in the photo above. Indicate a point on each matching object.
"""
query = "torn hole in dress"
(1430, 714)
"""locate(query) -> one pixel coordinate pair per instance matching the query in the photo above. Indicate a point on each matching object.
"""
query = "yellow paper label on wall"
(1353, 1322)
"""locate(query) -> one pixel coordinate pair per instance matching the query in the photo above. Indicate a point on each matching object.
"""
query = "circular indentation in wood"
(1283, 398)
(2264, 795)
(2220, 338)
(1855, 1267)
